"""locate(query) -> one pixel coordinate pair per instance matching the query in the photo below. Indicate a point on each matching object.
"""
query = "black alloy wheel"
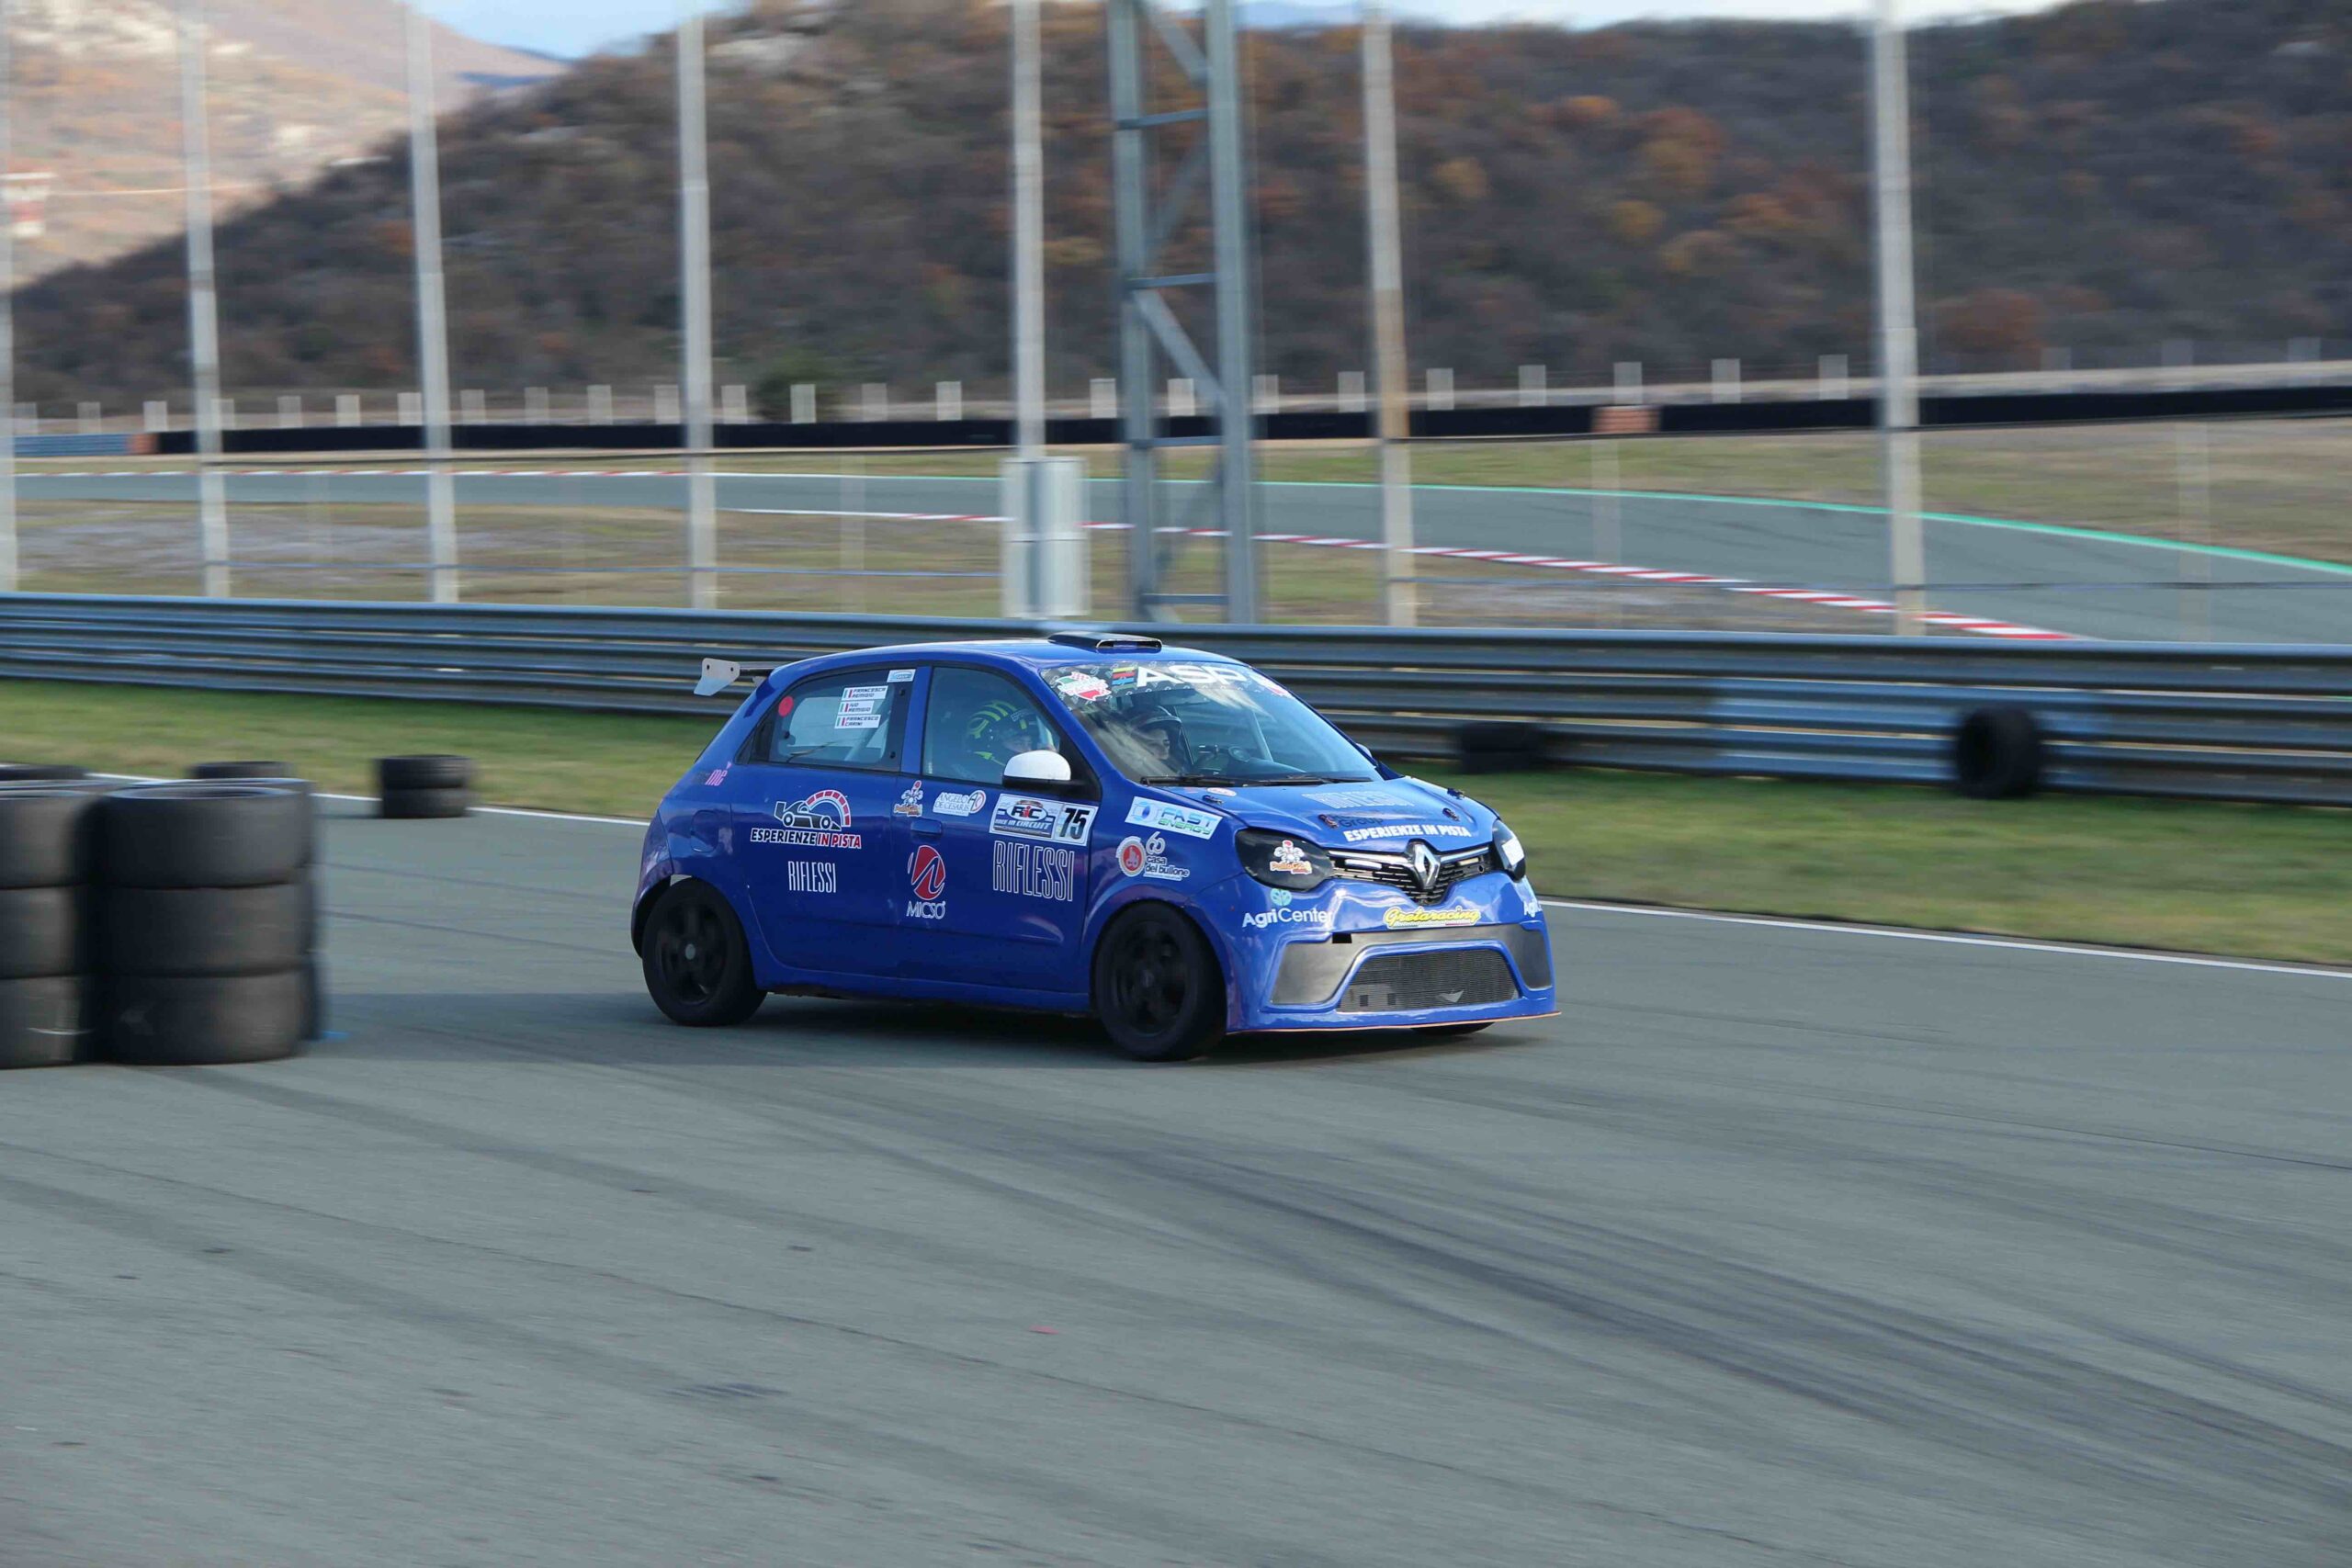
(1157, 988)
(698, 963)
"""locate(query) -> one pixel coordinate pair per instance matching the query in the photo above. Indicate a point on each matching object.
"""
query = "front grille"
(1408, 982)
(1395, 871)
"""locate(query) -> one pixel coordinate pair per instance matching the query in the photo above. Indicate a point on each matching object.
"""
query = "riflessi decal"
(1289, 860)
(820, 822)
(1029, 817)
(1149, 858)
(1355, 799)
(927, 879)
(812, 876)
(1035, 871)
(1189, 820)
(1416, 919)
(1409, 830)
(952, 805)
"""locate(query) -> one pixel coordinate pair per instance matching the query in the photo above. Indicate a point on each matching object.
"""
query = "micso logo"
(1265, 917)
(927, 875)
(1035, 871)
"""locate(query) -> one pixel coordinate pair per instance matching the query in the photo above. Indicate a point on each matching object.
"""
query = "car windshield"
(1173, 722)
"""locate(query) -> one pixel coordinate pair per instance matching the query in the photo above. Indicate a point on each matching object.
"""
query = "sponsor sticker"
(1354, 799)
(1035, 871)
(1032, 816)
(1082, 686)
(1289, 860)
(911, 802)
(900, 677)
(1191, 821)
(927, 879)
(812, 876)
(965, 805)
(1139, 857)
(1287, 916)
(718, 776)
(821, 821)
(1417, 918)
(1408, 829)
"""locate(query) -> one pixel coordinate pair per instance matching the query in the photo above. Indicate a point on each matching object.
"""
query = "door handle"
(924, 827)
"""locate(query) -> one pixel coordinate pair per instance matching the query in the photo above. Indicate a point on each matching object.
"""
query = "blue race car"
(1082, 823)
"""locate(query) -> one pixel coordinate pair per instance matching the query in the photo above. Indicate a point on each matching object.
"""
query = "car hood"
(1386, 814)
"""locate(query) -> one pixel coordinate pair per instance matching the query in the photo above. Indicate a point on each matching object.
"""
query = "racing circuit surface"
(1781, 1244)
(2079, 583)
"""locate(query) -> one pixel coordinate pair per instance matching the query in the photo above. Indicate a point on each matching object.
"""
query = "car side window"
(846, 719)
(976, 721)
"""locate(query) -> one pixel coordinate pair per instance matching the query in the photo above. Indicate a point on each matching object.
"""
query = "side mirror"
(1040, 772)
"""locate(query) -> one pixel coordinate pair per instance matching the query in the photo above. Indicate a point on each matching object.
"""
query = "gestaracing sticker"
(911, 802)
(1414, 919)
(820, 822)
(1139, 858)
(1190, 820)
(1031, 817)
(1035, 871)
(927, 877)
(966, 805)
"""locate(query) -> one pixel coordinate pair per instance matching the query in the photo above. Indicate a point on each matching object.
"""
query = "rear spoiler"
(717, 674)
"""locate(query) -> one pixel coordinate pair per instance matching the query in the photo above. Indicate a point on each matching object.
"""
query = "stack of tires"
(413, 787)
(206, 922)
(44, 898)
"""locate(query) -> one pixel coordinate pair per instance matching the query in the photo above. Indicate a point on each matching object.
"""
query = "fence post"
(599, 405)
(665, 404)
(290, 411)
(534, 404)
(92, 416)
(346, 409)
(1629, 383)
(803, 403)
(1726, 380)
(1835, 383)
(2193, 475)
(1103, 397)
(1531, 387)
(1441, 390)
(948, 400)
(875, 402)
(1351, 391)
(735, 404)
(411, 408)
(159, 416)
(473, 407)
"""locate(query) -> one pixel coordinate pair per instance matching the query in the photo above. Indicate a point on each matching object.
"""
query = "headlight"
(1281, 860)
(1508, 851)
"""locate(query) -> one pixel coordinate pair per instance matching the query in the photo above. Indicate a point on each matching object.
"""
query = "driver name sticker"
(863, 694)
(1137, 858)
(1415, 920)
(1031, 817)
(1408, 830)
(1191, 822)
(965, 805)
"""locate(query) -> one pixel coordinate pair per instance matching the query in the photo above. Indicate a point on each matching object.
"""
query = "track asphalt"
(2087, 585)
(1780, 1246)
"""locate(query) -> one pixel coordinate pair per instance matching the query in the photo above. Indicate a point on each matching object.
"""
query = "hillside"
(295, 85)
(2104, 176)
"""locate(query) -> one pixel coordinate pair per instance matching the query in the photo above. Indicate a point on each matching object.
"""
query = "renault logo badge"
(1424, 863)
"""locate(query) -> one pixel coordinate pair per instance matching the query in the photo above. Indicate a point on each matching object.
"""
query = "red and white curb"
(1827, 599)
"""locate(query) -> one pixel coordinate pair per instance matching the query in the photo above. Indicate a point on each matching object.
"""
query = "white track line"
(1956, 939)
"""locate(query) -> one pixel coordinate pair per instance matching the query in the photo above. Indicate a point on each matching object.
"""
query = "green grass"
(2270, 882)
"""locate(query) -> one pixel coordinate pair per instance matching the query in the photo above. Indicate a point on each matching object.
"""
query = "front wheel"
(1157, 986)
(698, 963)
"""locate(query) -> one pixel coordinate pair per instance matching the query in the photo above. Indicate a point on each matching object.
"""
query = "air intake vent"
(1413, 981)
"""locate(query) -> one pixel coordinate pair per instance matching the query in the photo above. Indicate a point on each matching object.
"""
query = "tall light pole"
(431, 314)
(7, 316)
(1395, 421)
(203, 315)
(1898, 337)
(1028, 235)
(693, 266)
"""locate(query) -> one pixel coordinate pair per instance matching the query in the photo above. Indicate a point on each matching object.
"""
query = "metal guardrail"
(2225, 722)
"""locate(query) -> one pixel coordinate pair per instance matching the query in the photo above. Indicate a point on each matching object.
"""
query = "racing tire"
(696, 960)
(45, 834)
(202, 1020)
(202, 834)
(41, 932)
(39, 773)
(424, 805)
(43, 1021)
(424, 773)
(275, 772)
(166, 932)
(1996, 754)
(1157, 991)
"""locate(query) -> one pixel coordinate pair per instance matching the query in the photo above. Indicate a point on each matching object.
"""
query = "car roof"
(1035, 653)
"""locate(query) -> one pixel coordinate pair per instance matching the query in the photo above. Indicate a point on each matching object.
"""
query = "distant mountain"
(295, 85)
(2101, 176)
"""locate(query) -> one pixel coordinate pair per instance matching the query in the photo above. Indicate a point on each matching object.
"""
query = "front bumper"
(1391, 979)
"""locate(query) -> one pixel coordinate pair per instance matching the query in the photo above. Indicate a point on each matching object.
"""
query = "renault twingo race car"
(1164, 839)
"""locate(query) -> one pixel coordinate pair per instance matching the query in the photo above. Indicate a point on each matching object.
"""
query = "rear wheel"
(1157, 986)
(697, 963)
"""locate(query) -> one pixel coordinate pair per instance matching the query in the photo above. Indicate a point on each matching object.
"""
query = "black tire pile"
(413, 788)
(170, 923)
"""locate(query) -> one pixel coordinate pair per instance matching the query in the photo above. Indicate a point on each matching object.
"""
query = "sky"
(579, 26)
